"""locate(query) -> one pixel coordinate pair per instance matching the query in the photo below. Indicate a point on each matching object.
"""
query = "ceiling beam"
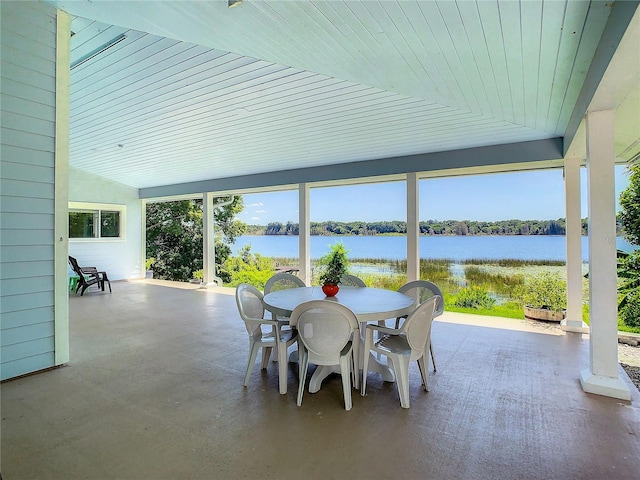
(512, 153)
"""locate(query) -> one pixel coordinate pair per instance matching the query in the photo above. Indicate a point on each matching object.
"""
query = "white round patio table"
(368, 304)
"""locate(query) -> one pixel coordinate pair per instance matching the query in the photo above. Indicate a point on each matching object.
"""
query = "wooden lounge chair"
(88, 276)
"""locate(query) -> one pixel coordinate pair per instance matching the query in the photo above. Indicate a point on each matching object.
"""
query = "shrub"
(546, 290)
(250, 268)
(474, 297)
(630, 312)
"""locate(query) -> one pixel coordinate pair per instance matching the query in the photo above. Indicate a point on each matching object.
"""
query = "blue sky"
(537, 195)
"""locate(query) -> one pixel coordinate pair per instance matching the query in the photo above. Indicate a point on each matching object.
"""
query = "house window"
(101, 221)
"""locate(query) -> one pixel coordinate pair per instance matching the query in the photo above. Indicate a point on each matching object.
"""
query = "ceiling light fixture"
(98, 51)
(233, 3)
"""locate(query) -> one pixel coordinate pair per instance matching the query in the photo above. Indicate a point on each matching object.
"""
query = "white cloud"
(258, 204)
(261, 211)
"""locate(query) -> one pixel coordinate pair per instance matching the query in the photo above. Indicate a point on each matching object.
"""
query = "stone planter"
(543, 314)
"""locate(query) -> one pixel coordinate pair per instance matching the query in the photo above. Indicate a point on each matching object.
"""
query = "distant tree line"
(429, 227)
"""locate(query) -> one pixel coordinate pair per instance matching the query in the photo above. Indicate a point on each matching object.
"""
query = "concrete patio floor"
(154, 391)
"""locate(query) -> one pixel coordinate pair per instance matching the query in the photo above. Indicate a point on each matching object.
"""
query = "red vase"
(330, 290)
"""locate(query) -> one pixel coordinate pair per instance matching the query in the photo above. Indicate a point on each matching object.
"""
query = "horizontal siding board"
(27, 221)
(25, 156)
(10, 237)
(22, 253)
(27, 365)
(21, 188)
(33, 316)
(25, 123)
(12, 88)
(30, 20)
(26, 333)
(14, 303)
(40, 44)
(18, 139)
(21, 286)
(27, 205)
(31, 60)
(28, 108)
(28, 348)
(30, 173)
(43, 80)
(26, 269)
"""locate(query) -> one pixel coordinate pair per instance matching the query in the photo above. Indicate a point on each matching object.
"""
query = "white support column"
(602, 375)
(304, 233)
(413, 228)
(573, 321)
(61, 193)
(208, 242)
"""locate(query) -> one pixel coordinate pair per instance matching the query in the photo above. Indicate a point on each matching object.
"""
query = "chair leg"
(423, 365)
(433, 359)
(304, 363)
(345, 361)
(368, 340)
(401, 368)
(253, 348)
(282, 367)
(355, 345)
(266, 353)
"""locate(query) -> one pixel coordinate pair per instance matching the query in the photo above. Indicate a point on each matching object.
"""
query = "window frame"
(99, 208)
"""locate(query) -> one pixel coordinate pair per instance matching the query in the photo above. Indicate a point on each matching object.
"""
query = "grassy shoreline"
(498, 277)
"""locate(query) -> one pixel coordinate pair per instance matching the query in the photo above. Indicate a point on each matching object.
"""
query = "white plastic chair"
(281, 281)
(401, 346)
(421, 291)
(251, 308)
(351, 281)
(329, 335)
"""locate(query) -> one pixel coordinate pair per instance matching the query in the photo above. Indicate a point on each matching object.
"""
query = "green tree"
(629, 264)
(629, 215)
(174, 236)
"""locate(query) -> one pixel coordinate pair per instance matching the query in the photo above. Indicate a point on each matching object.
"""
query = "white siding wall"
(27, 203)
(121, 259)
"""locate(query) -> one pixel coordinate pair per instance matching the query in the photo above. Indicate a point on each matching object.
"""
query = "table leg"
(322, 372)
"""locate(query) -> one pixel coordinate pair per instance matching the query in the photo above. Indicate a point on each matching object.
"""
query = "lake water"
(532, 247)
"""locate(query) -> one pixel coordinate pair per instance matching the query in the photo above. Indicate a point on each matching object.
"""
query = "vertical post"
(602, 375)
(208, 241)
(413, 228)
(573, 321)
(304, 233)
(61, 192)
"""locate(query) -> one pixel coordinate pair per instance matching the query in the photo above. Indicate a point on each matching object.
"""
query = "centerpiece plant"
(333, 266)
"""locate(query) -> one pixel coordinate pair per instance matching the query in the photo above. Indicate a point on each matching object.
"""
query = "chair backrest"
(324, 326)
(282, 281)
(250, 306)
(74, 265)
(351, 281)
(417, 327)
(423, 290)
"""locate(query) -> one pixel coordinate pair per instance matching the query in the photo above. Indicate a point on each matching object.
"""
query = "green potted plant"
(148, 264)
(333, 266)
(544, 297)
(198, 275)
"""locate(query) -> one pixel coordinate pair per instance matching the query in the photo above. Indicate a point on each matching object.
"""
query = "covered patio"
(155, 391)
(105, 109)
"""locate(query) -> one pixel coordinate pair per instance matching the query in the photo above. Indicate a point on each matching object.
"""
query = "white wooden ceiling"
(197, 91)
